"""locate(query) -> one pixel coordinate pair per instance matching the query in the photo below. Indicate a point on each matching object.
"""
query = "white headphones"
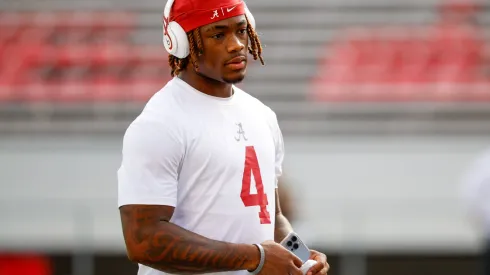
(175, 38)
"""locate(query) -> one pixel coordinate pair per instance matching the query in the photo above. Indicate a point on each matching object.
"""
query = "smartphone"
(293, 243)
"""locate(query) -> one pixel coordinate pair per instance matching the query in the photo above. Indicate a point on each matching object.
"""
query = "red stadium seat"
(38, 92)
(141, 90)
(111, 92)
(25, 265)
(7, 93)
(73, 91)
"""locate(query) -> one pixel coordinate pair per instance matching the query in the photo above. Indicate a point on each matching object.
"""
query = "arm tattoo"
(153, 241)
(283, 226)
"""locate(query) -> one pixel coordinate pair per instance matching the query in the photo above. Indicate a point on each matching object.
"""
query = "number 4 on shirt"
(259, 199)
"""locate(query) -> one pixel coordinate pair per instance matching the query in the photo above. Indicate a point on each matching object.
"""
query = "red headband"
(192, 14)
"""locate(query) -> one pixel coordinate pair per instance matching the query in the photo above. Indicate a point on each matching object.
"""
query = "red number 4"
(259, 199)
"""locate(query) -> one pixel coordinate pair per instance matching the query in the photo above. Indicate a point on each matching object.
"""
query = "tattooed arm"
(283, 226)
(153, 241)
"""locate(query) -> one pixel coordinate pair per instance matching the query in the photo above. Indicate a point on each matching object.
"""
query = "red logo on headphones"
(168, 40)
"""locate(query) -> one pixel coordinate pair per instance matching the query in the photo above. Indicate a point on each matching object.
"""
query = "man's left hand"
(321, 267)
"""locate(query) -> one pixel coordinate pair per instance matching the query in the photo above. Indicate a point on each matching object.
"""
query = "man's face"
(225, 46)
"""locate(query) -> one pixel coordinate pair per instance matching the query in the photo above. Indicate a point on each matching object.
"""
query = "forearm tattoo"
(164, 246)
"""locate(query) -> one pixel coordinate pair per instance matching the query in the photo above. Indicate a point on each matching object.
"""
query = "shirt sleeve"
(151, 158)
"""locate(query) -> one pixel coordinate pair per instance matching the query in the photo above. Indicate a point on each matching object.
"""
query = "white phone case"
(293, 243)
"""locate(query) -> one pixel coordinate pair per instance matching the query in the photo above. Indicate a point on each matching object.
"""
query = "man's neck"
(207, 85)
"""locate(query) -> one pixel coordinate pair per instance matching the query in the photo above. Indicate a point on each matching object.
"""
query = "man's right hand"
(279, 261)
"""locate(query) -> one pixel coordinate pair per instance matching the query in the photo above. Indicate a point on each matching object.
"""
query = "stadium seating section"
(440, 63)
(73, 57)
(76, 57)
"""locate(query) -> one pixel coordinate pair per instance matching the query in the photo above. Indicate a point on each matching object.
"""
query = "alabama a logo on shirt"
(240, 133)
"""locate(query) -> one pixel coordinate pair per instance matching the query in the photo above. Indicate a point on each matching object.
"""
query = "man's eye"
(218, 36)
(243, 31)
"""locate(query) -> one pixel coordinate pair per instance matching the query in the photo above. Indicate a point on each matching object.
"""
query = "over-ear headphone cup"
(169, 40)
(178, 45)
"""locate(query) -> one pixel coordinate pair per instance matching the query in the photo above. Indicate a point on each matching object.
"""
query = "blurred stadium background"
(383, 105)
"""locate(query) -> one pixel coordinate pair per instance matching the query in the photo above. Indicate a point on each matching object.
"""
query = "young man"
(198, 179)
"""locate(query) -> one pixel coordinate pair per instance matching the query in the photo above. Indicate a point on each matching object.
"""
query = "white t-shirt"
(211, 158)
